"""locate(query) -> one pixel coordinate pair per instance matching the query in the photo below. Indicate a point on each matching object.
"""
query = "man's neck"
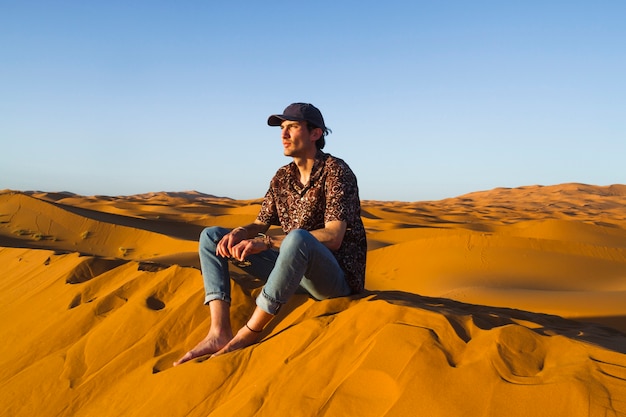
(305, 166)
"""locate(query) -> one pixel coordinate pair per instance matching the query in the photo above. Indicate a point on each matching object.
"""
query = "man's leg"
(249, 333)
(214, 268)
(302, 261)
(220, 333)
(216, 295)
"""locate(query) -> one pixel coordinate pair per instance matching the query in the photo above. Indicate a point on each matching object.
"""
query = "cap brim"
(278, 119)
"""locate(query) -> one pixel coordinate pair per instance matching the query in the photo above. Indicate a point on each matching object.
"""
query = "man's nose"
(284, 132)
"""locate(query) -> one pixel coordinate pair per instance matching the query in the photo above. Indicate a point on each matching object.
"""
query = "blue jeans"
(302, 262)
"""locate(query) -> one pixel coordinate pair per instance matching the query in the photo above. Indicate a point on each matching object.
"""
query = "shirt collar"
(316, 172)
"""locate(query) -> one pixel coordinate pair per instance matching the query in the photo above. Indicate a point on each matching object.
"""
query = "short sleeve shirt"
(331, 194)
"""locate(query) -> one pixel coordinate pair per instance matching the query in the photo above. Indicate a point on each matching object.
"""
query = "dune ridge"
(503, 302)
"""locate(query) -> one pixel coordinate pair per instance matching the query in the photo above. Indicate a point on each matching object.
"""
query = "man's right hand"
(225, 245)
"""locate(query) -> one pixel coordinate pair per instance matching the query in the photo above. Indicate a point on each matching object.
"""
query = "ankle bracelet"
(252, 330)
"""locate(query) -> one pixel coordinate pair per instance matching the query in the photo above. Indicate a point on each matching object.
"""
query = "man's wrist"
(241, 228)
(267, 239)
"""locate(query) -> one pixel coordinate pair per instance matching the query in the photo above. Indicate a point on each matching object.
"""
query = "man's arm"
(251, 230)
(332, 234)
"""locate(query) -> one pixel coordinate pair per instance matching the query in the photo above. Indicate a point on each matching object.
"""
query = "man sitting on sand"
(315, 199)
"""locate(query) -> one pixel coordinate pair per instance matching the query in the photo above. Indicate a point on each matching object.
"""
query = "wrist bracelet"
(266, 239)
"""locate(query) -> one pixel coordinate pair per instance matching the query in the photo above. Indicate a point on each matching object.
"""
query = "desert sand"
(508, 302)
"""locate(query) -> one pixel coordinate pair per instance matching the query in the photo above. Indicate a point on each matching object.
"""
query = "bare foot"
(211, 344)
(244, 338)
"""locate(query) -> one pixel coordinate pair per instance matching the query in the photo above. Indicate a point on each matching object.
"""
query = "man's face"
(298, 141)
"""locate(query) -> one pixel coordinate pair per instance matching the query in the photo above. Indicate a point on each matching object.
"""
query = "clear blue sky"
(426, 99)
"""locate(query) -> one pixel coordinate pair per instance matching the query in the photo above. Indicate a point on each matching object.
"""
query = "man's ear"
(316, 133)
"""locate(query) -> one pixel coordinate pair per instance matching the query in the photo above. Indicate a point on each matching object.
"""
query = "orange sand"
(510, 302)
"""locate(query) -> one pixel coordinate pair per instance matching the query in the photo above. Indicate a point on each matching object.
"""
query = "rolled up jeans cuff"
(208, 297)
(267, 303)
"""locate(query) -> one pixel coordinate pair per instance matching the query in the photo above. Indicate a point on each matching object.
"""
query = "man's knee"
(298, 235)
(211, 235)
(297, 238)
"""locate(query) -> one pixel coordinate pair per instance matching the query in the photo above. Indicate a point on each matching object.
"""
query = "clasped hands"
(234, 245)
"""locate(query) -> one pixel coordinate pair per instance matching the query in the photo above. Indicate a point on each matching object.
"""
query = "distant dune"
(507, 302)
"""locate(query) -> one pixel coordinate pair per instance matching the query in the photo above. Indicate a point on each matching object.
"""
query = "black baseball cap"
(301, 112)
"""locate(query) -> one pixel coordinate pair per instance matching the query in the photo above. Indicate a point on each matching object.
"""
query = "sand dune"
(508, 302)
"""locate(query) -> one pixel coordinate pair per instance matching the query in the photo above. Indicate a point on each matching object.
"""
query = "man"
(315, 200)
